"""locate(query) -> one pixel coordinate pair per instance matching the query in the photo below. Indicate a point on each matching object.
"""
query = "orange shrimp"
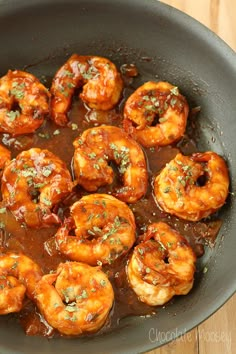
(24, 103)
(102, 85)
(177, 190)
(96, 147)
(18, 276)
(156, 99)
(104, 230)
(5, 156)
(32, 184)
(162, 266)
(76, 299)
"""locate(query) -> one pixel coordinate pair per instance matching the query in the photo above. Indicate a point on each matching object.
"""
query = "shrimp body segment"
(76, 299)
(162, 266)
(96, 147)
(24, 103)
(32, 184)
(104, 230)
(102, 85)
(177, 189)
(5, 156)
(156, 99)
(18, 277)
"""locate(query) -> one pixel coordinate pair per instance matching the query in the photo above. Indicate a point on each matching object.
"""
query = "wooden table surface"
(217, 335)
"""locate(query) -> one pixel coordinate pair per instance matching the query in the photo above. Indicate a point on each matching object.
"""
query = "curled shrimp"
(18, 277)
(5, 156)
(32, 184)
(156, 99)
(178, 189)
(76, 299)
(162, 266)
(24, 103)
(96, 147)
(102, 85)
(104, 230)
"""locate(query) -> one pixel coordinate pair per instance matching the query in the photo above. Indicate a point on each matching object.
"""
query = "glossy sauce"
(40, 244)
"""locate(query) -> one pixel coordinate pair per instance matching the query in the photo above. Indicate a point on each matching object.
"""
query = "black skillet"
(164, 44)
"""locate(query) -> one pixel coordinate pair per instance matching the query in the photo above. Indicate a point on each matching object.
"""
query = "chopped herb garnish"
(163, 119)
(166, 190)
(140, 250)
(70, 85)
(15, 265)
(46, 171)
(173, 102)
(44, 135)
(175, 91)
(92, 155)
(74, 126)
(2, 210)
(71, 307)
(80, 141)
(46, 201)
(17, 90)
(68, 73)
(12, 115)
(96, 166)
(2, 225)
(84, 294)
(56, 132)
(97, 229)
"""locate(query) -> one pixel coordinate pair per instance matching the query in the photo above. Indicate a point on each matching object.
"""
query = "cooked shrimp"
(102, 85)
(80, 300)
(178, 189)
(32, 184)
(24, 103)
(18, 277)
(96, 147)
(5, 156)
(162, 266)
(153, 99)
(104, 230)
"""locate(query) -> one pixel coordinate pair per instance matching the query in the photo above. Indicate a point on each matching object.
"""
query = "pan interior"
(165, 45)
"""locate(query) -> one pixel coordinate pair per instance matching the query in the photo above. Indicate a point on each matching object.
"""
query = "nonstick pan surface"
(164, 44)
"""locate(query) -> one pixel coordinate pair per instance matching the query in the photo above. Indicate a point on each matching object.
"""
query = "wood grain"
(217, 334)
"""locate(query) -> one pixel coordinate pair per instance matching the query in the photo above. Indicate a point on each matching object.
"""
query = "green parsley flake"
(44, 135)
(163, 120)
(17, 90)
(2, 225)
(46, 171)
(12, 115)
(166, 190)
(46, 201)
(92, 155)
(56, 132)
(74, 126)
(68, 73)
(2, 210)
(96, 166)
(103, 282)
(175, 91)
(97, 229)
